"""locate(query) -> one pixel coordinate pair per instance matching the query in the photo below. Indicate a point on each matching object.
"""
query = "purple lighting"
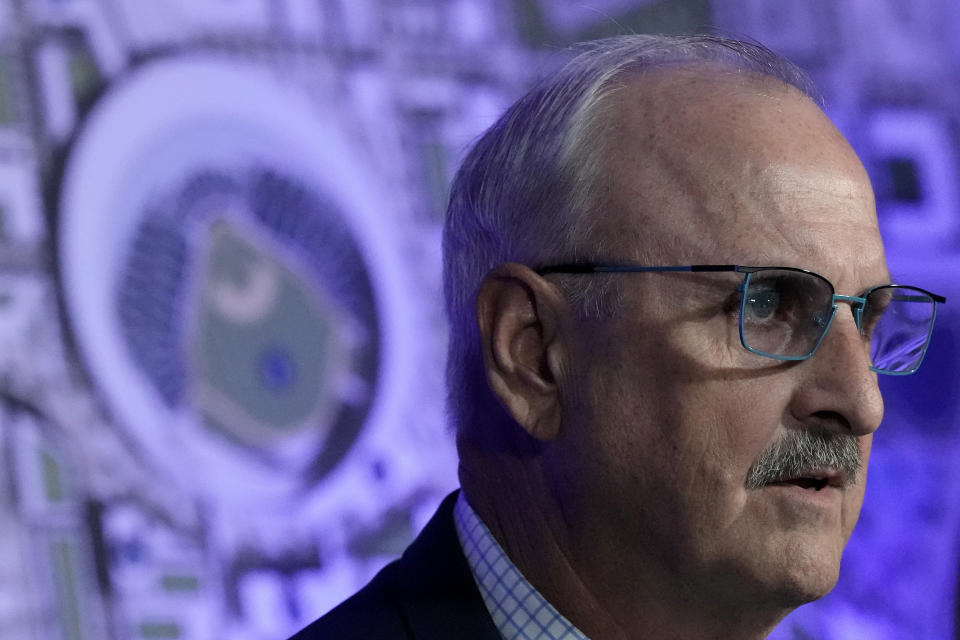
(221, 328)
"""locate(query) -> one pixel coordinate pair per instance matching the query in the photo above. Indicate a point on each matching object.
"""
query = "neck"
(589, 582)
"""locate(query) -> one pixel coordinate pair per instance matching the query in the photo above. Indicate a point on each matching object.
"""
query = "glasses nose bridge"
(856, 307)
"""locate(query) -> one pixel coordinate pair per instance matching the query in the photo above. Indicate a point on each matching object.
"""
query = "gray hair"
(526, 190)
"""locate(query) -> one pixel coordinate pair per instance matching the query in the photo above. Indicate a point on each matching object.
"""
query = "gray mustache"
(801, 452)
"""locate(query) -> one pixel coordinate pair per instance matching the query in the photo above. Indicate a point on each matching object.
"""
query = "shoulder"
(373, 612)
(427, 593)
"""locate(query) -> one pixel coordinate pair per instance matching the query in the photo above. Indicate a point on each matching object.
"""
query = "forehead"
(717, 167)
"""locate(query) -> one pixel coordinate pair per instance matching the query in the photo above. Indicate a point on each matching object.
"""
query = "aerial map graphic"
(221, 329)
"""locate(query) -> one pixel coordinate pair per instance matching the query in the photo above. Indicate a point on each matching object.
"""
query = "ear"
(520, 315)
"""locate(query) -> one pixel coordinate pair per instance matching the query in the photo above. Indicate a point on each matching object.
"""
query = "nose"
(838, 390)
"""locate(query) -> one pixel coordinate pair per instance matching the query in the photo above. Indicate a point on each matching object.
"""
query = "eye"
(762, 304)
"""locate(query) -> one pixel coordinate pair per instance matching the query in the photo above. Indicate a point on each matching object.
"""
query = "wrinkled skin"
(636, 518)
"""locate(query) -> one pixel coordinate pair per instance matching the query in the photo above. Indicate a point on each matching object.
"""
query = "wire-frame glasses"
(785, 312)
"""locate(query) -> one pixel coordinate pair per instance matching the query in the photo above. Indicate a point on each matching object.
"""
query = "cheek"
(726, 423)
(697, 440)
(733, 419)
(684, 423)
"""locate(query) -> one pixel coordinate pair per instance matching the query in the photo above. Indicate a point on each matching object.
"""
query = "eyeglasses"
(785, 313)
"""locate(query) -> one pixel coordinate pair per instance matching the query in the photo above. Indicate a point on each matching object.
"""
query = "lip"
(801, 490)
(822, 488)
(828, 498)
(821, 478)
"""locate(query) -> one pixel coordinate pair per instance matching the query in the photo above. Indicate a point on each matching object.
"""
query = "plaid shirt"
(517, 608)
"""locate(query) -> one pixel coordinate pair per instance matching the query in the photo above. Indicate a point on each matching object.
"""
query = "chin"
(808, 574)
(770, 581)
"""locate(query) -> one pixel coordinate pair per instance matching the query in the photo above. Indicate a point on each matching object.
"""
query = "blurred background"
(221, 338)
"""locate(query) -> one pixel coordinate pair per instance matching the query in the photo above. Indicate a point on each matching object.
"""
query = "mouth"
(814, 481)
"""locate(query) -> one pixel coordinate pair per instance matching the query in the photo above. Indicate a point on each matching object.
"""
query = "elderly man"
(669, 305)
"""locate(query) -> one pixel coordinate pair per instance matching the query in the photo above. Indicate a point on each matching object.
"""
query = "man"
(648, 449)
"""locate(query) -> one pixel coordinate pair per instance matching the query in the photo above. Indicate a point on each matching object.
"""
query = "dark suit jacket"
(428, 594)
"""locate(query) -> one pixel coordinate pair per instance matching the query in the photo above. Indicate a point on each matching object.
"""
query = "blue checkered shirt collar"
(517, 608)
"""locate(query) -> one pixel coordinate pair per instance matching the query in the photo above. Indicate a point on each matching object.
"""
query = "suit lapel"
(439, 596)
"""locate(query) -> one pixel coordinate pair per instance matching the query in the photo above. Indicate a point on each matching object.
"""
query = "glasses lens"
(785, 313)
(898, 321)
